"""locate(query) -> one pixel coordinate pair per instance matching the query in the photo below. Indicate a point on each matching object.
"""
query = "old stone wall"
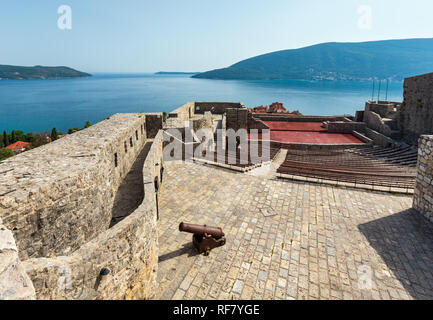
(374, 121)
(205, 122)
(416, 116)
(345, 127)
(378, 138)
(216, 107)
(15, 284)
(289, 118)
(57, 197)
(254, 123)
(129, 250)
(154, 123)
(183, 113)
(423, 196)
(237, 118)
(359, 116)
(383, 108)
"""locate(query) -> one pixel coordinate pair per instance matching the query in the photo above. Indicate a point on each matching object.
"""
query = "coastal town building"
(18, 146)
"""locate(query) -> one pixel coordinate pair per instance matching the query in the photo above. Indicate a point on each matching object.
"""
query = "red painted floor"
(295, 126)
(305, 132)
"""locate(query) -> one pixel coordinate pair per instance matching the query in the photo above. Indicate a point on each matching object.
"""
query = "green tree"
(5, 138)
(164, 116)
(87, 125)
(2, 145)
(13, 137)
(29, 137)
(5, 153)
(19, 135)
(54, 135)
(73, 130)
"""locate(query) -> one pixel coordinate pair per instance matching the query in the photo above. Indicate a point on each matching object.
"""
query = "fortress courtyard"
(289, 240)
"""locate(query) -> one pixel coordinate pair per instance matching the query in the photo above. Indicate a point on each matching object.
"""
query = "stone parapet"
(129, 251)
(423, 197)
(59, 196)
(345, 127)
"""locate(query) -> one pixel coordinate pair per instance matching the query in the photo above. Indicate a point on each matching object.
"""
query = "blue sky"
(192, 35)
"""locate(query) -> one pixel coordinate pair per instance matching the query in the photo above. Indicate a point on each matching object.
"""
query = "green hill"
(391, 59)
(39, 72)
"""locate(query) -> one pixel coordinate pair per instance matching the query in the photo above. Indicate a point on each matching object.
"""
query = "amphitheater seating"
(386, 167)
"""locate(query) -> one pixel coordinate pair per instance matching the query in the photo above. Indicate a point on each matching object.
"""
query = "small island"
(39, 72)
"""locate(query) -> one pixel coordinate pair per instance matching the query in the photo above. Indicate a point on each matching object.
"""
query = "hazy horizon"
(193, 36)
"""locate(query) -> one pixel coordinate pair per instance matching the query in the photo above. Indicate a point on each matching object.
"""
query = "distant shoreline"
(8, 72)
(167, 72)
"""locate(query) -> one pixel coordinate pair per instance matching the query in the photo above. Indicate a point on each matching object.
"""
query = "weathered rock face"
(15, 284)
(416, 117)
(57, 197)
(423, 197)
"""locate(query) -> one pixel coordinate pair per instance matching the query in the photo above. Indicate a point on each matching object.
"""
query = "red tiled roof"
(18, 145)
(277, 107)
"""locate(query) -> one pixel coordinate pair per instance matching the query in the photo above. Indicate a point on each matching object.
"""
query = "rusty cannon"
(204, 238)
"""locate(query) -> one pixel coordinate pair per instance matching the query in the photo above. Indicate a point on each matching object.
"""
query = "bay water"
(38, 105)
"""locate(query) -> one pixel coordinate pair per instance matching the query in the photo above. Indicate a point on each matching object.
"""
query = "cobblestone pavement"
(290, 240)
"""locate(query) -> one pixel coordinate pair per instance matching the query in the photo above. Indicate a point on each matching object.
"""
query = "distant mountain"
(39, 72)
(165, 72)
(390, 59)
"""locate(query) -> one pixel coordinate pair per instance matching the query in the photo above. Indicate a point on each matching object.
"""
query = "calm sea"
(37, 105)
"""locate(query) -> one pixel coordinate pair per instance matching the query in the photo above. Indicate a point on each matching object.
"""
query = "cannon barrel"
(201, 230)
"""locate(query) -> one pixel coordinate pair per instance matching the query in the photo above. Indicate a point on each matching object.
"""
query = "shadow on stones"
(130, 194)
(405, 242)
(187, 248)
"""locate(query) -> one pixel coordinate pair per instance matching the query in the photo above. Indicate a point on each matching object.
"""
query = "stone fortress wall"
(423, 196)
(59, 196)
(58, 199)
(416, 116)
(216, 107)
(389, 123)
(189, 109)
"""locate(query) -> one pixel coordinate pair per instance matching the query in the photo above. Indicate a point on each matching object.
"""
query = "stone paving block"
(312, 249)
